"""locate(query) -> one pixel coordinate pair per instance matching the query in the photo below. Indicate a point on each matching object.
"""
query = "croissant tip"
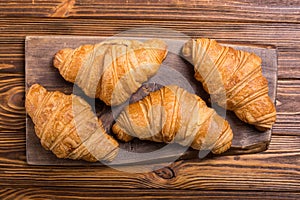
(35, 85)
(120, 134)
(225, 140)
(34, 96)
(159, 45)
(112, 155)
(61, 56)
(187, 48)
(35, 88)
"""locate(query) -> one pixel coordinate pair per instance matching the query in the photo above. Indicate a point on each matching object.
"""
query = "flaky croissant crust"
(171, 114)
(66, 125)
(234, 80)
(111, 70)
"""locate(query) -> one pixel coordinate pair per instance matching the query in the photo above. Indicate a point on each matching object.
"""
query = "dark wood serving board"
(39, 69)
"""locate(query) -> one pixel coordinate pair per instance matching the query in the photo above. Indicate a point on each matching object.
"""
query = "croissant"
(173, 115)
(112, 70)
(66, 125)
(234, 80)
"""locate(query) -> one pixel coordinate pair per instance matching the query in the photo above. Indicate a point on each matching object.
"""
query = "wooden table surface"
(273, 173)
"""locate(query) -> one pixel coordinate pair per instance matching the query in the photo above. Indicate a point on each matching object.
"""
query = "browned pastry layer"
(111, 70)
(171, 114)
(67, 126)
(234, 80)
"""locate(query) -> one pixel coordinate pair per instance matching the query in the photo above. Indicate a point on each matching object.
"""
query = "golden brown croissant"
(234, 79)
(112, 70)
(171, 114)
(67, 126)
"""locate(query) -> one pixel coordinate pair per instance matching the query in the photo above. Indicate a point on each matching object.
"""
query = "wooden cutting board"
(39, 69)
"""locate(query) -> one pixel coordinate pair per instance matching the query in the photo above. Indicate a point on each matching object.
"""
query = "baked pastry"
(111, 70)
(66, 125)
(171, 114)
(234, 80)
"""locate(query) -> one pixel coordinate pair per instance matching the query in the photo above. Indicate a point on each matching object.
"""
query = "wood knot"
(17, 98)
(165, 173)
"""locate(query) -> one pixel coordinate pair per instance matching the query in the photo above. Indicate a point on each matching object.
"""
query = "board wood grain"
(272, 174)
(8, 193)
(39, 69)
(276, 169)
(195, 10)
(285, 36)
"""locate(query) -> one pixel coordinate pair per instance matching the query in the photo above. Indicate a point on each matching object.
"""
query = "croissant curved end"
(224, 141)
(36, 89)
(187, 48)
(34, 97)
(159, 45)
(61, 56)
(121, 134)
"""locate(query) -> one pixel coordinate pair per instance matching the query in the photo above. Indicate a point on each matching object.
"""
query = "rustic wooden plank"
(91, 193)
(16, 142)
(286, 37)
(274, 170)
(291, 144)
(286, 150)
(284, 154)
(39, 69)
(288, 107)
(12, 54)
(12, 109)
(220, 10)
